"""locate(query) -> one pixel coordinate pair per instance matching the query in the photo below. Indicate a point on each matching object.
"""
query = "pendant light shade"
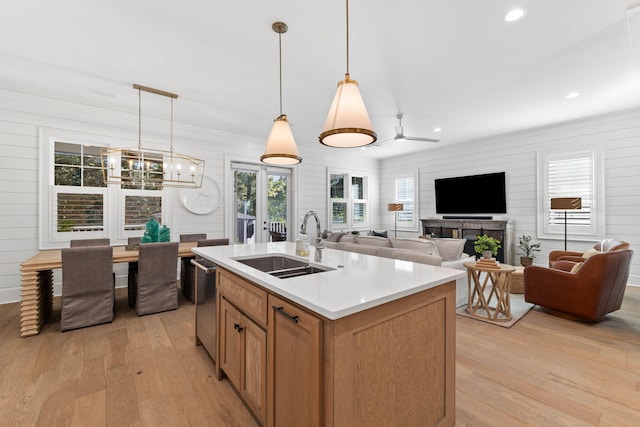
(348, 123)
(280, 148)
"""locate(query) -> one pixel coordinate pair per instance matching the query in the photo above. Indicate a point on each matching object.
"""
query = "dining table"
(36, 288)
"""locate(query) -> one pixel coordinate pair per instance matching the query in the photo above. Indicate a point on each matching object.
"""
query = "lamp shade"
(348, 123)
(566, 203)
(280, 148)
(395, 207)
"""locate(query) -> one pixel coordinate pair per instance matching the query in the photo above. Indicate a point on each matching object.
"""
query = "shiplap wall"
(23, 114)
(616, 134)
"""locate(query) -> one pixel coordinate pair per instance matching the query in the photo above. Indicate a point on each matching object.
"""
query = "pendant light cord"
(280, 63)
(347, 37)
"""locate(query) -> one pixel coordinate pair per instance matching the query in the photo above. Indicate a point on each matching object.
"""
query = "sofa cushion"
(424, 246)
(449, 249)
(348, 238)
(361, 249)
(373, 241)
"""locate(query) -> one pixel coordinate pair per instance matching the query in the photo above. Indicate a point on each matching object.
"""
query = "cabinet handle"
(237, 327)
(280, 310)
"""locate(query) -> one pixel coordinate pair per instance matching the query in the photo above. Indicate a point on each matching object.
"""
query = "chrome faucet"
(318, 240)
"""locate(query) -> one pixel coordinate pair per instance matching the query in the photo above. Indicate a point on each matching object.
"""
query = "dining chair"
(195, 279)
(155, 286)
(89, 242)
(133, 267)
(88, 287)
(185, 262)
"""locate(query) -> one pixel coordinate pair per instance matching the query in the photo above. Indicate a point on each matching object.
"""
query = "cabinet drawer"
(247, 297)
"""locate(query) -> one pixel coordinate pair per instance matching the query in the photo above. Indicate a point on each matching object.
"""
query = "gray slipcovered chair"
(88, 288)
(155, 287)
(195, 277)
(89, 242)
(133, 267)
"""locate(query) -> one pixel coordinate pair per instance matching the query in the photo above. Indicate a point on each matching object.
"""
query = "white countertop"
(363, 282)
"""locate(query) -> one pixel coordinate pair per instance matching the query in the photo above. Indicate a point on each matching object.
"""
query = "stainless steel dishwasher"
(205, 305)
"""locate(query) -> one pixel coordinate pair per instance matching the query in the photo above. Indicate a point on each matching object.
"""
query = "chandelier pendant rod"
(347, 2)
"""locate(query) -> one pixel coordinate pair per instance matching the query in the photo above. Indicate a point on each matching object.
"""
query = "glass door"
(262, 203)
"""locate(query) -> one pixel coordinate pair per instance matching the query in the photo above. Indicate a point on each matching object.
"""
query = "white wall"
(22, 114)
(618, 135)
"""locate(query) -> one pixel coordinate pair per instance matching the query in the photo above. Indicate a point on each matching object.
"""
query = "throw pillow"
(450, 249)
(424, 246)
(335, 237)
(590, 252)
(576, 267)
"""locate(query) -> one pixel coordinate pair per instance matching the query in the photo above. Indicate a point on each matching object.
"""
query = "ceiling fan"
(400, 136)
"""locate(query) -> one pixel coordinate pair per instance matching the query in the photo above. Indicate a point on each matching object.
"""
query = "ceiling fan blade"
(417, 138)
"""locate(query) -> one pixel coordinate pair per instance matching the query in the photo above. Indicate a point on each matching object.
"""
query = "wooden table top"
(500, 268)
(52, 258)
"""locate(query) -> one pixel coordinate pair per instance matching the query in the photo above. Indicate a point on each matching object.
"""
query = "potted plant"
(486, 246)
(526, 250)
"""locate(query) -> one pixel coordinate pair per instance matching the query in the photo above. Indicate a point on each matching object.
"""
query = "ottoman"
(517, 281)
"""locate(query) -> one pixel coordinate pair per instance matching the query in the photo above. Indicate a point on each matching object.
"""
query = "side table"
(486, 285)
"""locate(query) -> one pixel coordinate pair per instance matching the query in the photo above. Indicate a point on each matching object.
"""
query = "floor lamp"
(395, 207)
(566, 203)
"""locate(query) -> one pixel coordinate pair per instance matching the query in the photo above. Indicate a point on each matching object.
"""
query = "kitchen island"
(371, 341)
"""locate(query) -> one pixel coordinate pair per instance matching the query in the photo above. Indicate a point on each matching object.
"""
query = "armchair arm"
(554, 255)
(570, 258)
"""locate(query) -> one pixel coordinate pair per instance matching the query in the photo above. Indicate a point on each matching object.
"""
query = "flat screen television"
(474, 194)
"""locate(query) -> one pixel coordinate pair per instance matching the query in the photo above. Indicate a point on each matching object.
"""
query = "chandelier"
(150, 168)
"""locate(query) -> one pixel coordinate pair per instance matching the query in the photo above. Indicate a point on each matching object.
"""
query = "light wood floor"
(146, 371)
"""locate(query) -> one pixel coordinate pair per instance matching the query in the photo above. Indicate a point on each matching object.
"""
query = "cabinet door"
(230, 342)
(295, 366)
(254, 378)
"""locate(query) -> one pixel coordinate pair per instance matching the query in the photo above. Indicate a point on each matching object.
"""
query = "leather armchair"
(593, 290)
(604, 246)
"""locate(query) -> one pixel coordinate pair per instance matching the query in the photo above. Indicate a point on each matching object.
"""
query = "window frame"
(593, 232)
(113, 196)
(414, 224)
(349, 200)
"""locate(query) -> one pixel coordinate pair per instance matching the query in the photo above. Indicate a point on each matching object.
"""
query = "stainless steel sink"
(281, 266)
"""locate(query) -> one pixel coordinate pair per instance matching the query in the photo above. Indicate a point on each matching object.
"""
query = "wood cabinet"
(243, 348)
(295, 368)
(393, 364)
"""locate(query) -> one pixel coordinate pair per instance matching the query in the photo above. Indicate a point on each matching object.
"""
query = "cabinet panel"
(247, 297)
(254, 381)
(230, 342)
(295, 368)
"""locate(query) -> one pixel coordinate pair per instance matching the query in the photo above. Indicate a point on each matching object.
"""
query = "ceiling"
(453, 64)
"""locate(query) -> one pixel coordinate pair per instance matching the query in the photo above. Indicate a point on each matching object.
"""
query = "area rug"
(519, 307)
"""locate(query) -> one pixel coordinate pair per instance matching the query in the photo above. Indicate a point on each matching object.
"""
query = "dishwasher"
(205, 297)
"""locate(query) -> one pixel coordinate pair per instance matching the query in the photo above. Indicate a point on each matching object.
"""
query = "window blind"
(571, 177)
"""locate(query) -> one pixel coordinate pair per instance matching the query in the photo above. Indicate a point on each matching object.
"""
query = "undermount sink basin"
(281, 266)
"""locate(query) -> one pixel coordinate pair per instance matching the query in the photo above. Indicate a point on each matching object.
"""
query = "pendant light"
(348, 123)
(281, 147)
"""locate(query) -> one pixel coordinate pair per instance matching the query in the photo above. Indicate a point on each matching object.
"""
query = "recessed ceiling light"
(515, 14)
(572, 95)
(437, 129)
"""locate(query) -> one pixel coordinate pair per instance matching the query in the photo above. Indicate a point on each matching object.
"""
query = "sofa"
(440, 252)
